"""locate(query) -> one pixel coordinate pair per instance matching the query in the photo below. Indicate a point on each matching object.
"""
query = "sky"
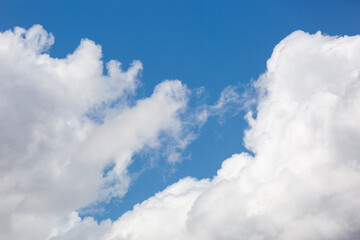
(159, 119)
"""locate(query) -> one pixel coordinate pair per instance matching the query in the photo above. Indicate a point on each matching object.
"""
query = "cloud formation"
(63, 122)
(302, 180)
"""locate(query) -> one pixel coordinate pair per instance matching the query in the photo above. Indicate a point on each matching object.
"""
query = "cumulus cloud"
(300, 181)
(63, 122)
(303, 176)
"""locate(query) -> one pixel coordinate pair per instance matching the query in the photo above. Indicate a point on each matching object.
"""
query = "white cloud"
(52, 154)
(230, 98)
(301, 183)
(303, 180)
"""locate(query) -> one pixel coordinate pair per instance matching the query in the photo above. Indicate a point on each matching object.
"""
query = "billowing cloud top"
(301, 182)
(52, 151)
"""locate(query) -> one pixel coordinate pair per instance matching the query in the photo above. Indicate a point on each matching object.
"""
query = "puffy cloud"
(162, 216)
(302, 180)
(63, 122)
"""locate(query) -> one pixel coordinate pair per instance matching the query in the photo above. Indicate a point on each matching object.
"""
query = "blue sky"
(210, 44)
